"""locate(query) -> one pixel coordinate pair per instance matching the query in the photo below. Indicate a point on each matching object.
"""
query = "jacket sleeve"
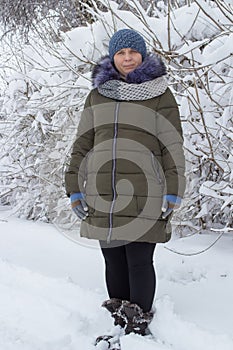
(75, 174)
(169, 133)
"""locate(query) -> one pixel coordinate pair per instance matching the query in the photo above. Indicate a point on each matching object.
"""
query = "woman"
(126, 173)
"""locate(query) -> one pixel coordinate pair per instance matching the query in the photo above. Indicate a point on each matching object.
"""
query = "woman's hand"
(170, 202)
(78, 205)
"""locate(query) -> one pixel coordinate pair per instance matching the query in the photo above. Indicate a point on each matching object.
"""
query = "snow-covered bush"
(44, 96)
(38, 107)
(26, 15)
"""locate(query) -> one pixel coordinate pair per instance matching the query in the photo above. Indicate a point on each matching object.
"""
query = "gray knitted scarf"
(122, 91)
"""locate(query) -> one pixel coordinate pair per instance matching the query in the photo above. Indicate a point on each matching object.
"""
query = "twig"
(211, 18)
(205, 128)
(169, 25)
(223, 12)
(225, 6)
(196, 253)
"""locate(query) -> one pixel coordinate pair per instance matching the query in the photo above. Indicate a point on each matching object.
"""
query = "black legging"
(130, 273)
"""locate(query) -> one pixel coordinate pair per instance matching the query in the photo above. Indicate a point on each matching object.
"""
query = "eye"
(133, 51)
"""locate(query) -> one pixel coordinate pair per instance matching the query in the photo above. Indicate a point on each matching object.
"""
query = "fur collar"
(152, 67)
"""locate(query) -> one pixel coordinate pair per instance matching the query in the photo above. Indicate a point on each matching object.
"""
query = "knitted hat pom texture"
(126, 38)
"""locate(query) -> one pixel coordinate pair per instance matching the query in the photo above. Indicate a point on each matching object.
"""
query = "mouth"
(129, 67)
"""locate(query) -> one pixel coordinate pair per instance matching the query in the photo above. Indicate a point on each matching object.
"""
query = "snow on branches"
(44, 84)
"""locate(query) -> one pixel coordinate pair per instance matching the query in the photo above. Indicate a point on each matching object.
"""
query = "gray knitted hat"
(127, 38)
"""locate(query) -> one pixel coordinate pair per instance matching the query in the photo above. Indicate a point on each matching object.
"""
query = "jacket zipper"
(116, 112)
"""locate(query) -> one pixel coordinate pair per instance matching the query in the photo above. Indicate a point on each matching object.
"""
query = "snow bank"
(51, 291)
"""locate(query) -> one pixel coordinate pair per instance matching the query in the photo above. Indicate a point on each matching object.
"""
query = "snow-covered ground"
(51, 290)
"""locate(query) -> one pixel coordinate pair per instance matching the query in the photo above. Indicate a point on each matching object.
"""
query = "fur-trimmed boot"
(136, 320)
(112, 341)
(113, 306)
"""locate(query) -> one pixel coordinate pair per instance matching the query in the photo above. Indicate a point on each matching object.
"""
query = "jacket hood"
(152, 67)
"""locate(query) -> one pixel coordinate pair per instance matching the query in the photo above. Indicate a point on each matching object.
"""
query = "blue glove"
(170, 202)
(79, 205)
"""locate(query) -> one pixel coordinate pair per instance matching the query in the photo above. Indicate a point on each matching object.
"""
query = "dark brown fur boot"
(113, 305)
(137, 321)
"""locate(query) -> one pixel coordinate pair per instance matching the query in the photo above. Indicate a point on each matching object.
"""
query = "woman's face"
(126, 60)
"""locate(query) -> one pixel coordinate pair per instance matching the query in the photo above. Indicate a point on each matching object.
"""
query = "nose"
(128, 56)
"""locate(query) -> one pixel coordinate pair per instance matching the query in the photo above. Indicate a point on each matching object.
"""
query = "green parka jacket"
(127, 155)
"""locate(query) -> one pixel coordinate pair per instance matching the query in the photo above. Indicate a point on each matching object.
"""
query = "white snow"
(51, 290)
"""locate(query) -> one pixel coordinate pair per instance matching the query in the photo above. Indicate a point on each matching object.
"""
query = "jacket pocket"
(155, 166)
(149, 207)
(86, 166)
